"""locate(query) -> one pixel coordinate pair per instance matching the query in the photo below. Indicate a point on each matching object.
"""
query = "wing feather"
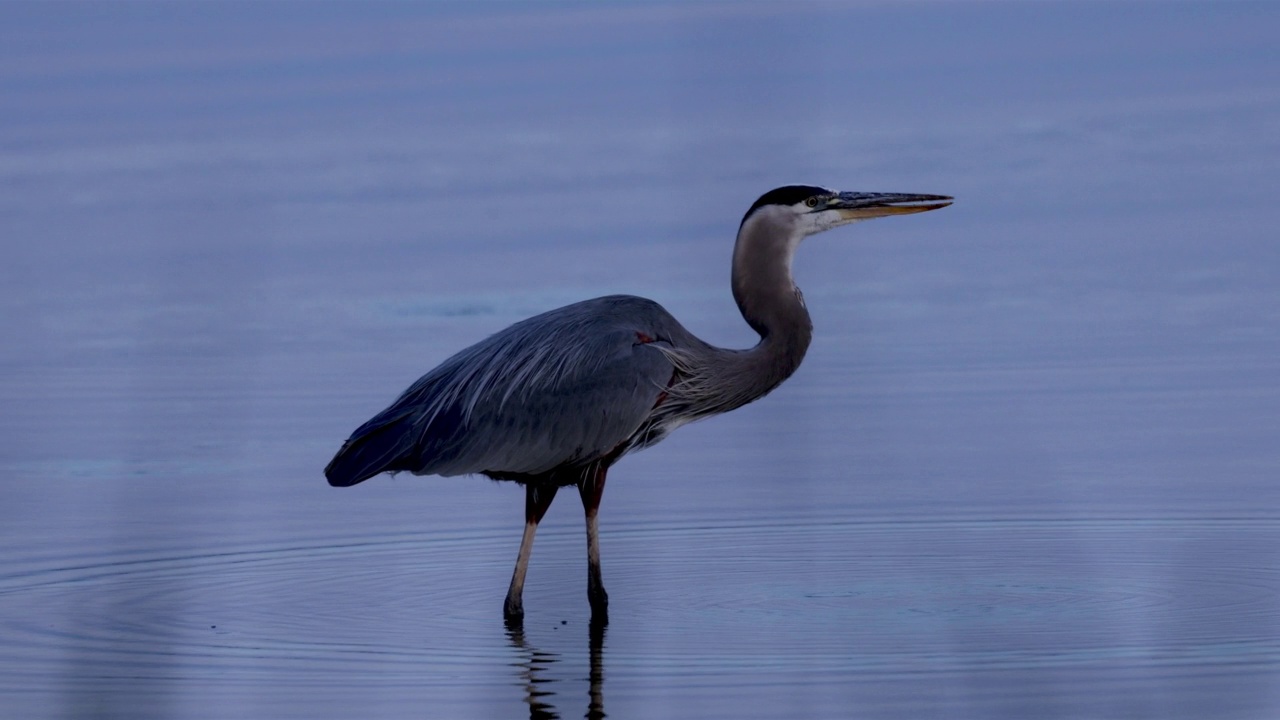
(562, 388)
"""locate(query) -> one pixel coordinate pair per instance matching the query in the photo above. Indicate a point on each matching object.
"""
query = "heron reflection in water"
(536, 674)
(557, 399)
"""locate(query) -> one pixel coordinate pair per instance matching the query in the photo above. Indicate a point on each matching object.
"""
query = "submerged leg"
(537, 498)
(592, 489)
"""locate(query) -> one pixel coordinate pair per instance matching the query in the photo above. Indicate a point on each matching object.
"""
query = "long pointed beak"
(862, 206)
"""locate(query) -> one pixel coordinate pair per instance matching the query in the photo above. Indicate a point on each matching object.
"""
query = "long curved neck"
(713, 380)
(769, 301)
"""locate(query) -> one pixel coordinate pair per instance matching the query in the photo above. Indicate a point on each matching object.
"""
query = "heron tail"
(364, 455)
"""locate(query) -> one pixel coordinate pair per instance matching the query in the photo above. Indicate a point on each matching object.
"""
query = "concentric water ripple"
(863, 599)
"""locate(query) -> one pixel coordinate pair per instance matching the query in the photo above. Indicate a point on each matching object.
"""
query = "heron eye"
(811, 202)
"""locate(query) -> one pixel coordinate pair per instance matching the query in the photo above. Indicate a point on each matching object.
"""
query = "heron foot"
(513, 612)
(599, 600)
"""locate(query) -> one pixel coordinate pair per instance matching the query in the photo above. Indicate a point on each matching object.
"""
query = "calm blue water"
(1029, 469)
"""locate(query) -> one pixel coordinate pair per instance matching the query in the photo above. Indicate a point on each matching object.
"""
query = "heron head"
(812, 209)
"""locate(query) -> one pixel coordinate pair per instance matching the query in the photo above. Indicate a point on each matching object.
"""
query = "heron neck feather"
(768, 298)
(711, 380)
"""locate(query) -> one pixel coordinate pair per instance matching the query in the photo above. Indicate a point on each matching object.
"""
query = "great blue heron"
(556, 399)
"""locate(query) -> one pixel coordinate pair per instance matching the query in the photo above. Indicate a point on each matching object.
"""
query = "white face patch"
(812, 223)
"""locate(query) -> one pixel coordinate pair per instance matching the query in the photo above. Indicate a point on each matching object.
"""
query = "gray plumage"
(562, 388)
(556, 399)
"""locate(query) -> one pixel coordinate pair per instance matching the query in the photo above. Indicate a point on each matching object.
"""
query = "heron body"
(556, 399)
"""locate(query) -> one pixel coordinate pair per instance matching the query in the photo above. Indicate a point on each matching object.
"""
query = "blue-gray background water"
(1029, 468)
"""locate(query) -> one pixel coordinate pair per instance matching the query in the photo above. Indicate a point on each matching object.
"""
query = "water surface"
(1027, 470)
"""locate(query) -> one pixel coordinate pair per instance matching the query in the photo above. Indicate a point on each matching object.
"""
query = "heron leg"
(592, 489)
(537, 498)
